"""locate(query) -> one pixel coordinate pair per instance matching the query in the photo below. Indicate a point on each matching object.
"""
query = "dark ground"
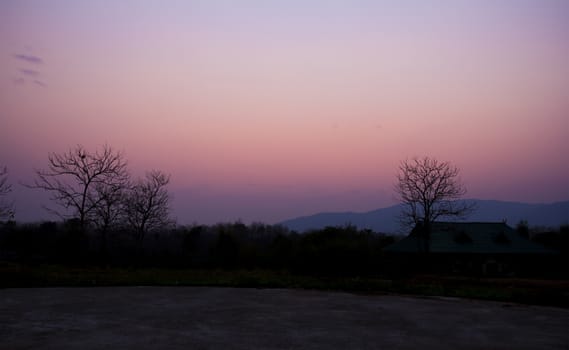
(230, 318)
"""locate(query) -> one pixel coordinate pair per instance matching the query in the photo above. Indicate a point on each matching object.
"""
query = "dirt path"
(227, 318)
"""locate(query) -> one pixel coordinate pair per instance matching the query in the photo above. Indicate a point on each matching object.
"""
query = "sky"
(264, 110)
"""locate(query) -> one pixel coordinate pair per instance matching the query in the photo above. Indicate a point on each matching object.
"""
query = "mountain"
(387, 219)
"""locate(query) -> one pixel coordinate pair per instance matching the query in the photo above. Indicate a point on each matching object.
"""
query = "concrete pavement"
(229, 318)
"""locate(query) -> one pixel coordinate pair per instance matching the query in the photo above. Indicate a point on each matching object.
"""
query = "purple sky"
(264, 110)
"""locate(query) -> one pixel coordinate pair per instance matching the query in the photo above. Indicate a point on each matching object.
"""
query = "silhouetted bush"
(338, 251)
(557, 241)
(334, 251)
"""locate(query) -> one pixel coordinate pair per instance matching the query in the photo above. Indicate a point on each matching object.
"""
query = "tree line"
(95, 191)
(106, 215)
(332, 251)
(98, 189)
(6, 210)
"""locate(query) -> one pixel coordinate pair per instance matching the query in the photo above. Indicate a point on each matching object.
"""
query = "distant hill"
(387, 219)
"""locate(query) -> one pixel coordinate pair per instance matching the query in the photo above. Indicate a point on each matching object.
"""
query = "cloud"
(19, 81)
(27, 75)
(28, 58)
(30, 72)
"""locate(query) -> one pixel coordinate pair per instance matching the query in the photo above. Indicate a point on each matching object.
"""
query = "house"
(471, 248)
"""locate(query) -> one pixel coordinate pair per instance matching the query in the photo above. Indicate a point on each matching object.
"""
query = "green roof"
(469, 238)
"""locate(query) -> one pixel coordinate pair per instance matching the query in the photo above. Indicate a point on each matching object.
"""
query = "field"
(526, 291)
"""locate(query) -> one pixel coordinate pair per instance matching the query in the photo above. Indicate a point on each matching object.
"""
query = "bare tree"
(430, 189)
(108, 196)
(147, 205)
(6, 210)
(109, 209)
(79, 181)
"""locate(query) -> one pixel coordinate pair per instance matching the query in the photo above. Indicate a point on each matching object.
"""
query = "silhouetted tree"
(6, 210)
(522, 228)
(147, 204)
(109, 211)
(430, 189)
(81, 181)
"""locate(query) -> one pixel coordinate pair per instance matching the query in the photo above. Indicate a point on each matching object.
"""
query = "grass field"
(528, 291)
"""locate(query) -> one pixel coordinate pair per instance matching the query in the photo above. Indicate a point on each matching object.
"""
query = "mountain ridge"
(387, 219)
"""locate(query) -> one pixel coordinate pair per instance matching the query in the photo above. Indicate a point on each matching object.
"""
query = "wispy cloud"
(28, 58)
(30, 72)
(27, 73)
(19, 81)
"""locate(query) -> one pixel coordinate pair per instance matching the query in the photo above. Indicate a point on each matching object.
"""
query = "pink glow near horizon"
(288, 107)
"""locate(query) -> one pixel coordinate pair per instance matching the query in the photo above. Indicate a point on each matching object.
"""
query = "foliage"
(522, 228)
(6, 210)
(333, 251)
(530, 291)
